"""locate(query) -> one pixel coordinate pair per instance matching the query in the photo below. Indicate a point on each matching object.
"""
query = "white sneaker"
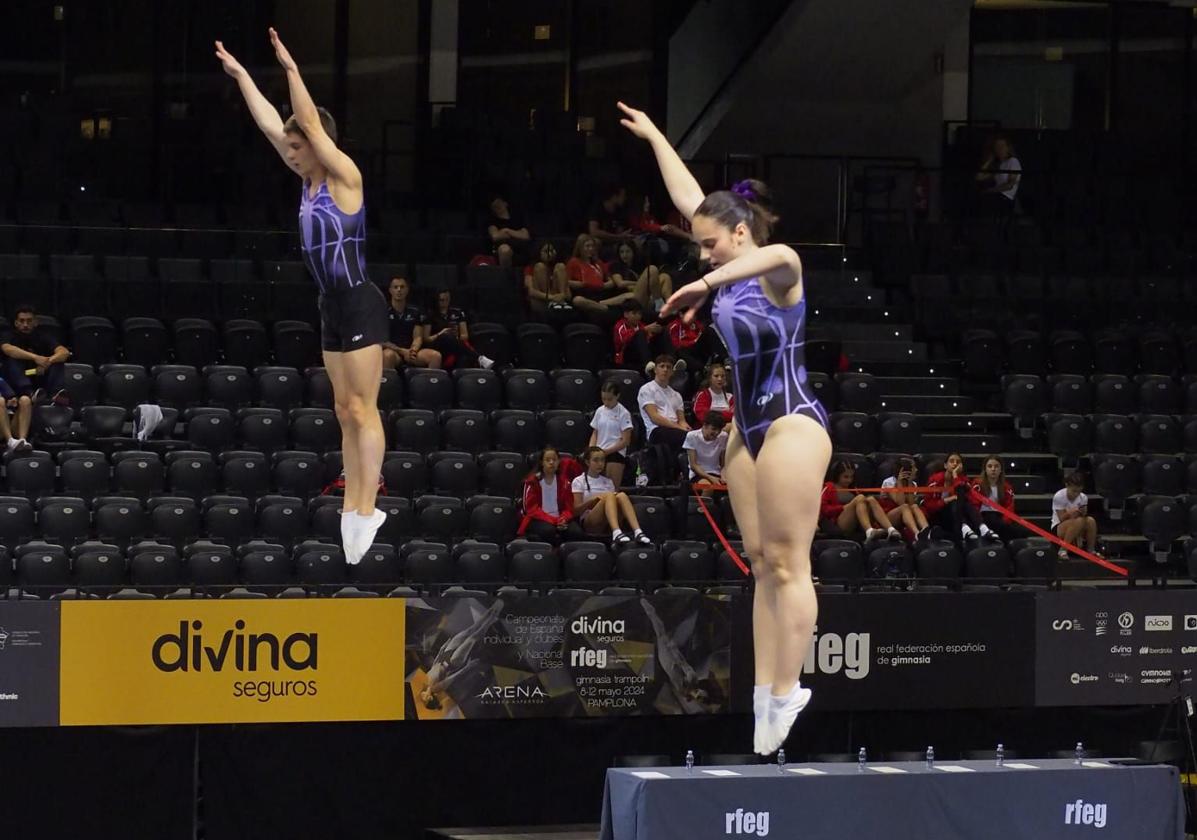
(366, 529)
(874, 534)
(649, 368)
(783, 711)
(486, 362)
(13, 443)
(680, 366)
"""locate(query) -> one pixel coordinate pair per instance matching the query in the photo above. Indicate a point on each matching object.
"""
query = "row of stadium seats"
(1023, 351)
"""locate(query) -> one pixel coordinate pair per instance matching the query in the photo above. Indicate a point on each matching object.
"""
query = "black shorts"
(616, 458)
(353, 319)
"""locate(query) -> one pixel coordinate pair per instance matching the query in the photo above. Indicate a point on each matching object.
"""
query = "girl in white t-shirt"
(598, 506)
(1071, 521)
(611, 431)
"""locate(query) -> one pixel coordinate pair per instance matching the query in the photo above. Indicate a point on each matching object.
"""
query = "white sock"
(760, 700)
(486, 362)
(965, 530)
(894, 530)
(617, 533)
(637, 533)
(985, 530)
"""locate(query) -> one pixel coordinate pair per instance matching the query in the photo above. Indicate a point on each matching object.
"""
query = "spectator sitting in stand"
(992, 484)
(593, 288)
(407, 331)
(1002, 172)
(12, 444)
(607, 222)
(950, 507)
(651, 285)
(611, 432)
(548, 501)
(599, 506)
(547, 285)
(636, 343)
(509, 237)
(713, 396)
(853, 513)
(658, 240)
(1071, 521)
(662, 412)
(902, 506)
(706, 449)
(447, 333)
(692, 342)
(34, 368)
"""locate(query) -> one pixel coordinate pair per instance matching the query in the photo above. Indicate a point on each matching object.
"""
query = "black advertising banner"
(567, 656)
(1116, 647)
(29, 663)
(917, 650)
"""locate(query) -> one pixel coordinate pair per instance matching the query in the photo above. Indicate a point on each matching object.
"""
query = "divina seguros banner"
(231, 661)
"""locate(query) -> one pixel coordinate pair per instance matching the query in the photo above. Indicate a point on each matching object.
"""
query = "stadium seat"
(173, 518)
(481, 566)
(430, 390)
(838, 561)
(539, 347)
(502, 473)
(145, 341)
(315, 429)
(493, 341)
(1159, 433)
(297, 473)
(191, 473)
(228, 386)
(93, 340)
(279, 387)
(654, 517)
(86, 474)
(1162, 475)
(31, 476)
(318, 388)
(527, 390)
(1069, 436)
(465, 430)
(296, 344)
(853, 430)
(1116, 478)
(586, 346)
(176, 386)
(899, 432)
(210, 428)
(858, 392)
(453, 474)
(44, 567)
(534, 565)
(515, 431)
(244, 473)
(263, 429)
(324, 566)
(1159, 394)
(983, 355)
(156, 567)
(642, 565)
(196, 342)
(492, 518)
(379, 569)
(245, 343)
(1163, 520)
(476, 389)
(119, 520)
(589, 565)
(1114, 352)
(575, 389)
(1025, 353)
(63, 520)
(1071, 393)
(124, 385)
(17, 521)
(138, 474)
(428, 566)
(1025, 398)
(1113, 394)
(441, 518)
(941, 564)
(1113, 433)
(988, 564)
(565, 429)
(210, 565)
(415, 430)
(405, 474)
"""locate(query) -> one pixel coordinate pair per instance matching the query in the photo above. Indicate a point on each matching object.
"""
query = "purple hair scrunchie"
(745, 191)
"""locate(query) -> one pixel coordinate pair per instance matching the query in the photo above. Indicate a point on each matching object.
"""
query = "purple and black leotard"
(766, 352)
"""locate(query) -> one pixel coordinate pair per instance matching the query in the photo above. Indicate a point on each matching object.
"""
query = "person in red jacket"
(548, 500)
(692, 342)
(714, 396)
(950, 507)
(637, 343)
(852, 513)
(992, 484)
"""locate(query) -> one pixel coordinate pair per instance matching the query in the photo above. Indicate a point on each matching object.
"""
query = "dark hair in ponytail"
(748, 201)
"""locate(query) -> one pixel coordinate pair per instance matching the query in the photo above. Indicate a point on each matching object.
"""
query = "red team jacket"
(621, 336)
(702, 406)
(1006, 499)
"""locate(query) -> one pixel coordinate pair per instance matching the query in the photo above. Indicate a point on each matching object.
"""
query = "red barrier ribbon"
(1008, 515)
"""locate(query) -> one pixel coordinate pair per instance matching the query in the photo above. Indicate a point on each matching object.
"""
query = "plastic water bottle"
(930, 757)
(862, 758)
(689, 761)
(999, 756)
(781, 761)
(1080, 752)
(641, 478)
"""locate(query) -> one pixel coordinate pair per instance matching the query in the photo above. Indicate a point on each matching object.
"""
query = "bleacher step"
(985, 423)
(939, 386)
(963, 443)
(862, 352)
(924, 404)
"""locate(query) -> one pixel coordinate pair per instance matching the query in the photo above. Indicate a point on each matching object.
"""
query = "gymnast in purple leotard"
(765, 346)
(353, 311)
(779, 449)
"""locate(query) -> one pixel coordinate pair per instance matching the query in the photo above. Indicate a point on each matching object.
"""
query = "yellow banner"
(155, 662)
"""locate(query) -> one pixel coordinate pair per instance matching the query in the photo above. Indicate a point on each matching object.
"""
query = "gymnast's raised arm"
(265, 115)
(683, 188)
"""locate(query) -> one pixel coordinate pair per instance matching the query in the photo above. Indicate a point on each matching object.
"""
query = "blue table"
(1035, 799)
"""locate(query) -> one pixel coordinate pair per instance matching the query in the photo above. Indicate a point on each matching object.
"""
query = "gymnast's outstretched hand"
(281, 53)
(690, 298)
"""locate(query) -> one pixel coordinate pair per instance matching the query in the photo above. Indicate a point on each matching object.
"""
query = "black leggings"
(544, 532)
(706, 348)
(641, 350)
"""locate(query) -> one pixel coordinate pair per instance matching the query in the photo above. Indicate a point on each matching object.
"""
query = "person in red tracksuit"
(992, 483)
(693, 342)
(714, 395)
(852, 513)
(549, 501)
(950, 508)
(637, 343)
